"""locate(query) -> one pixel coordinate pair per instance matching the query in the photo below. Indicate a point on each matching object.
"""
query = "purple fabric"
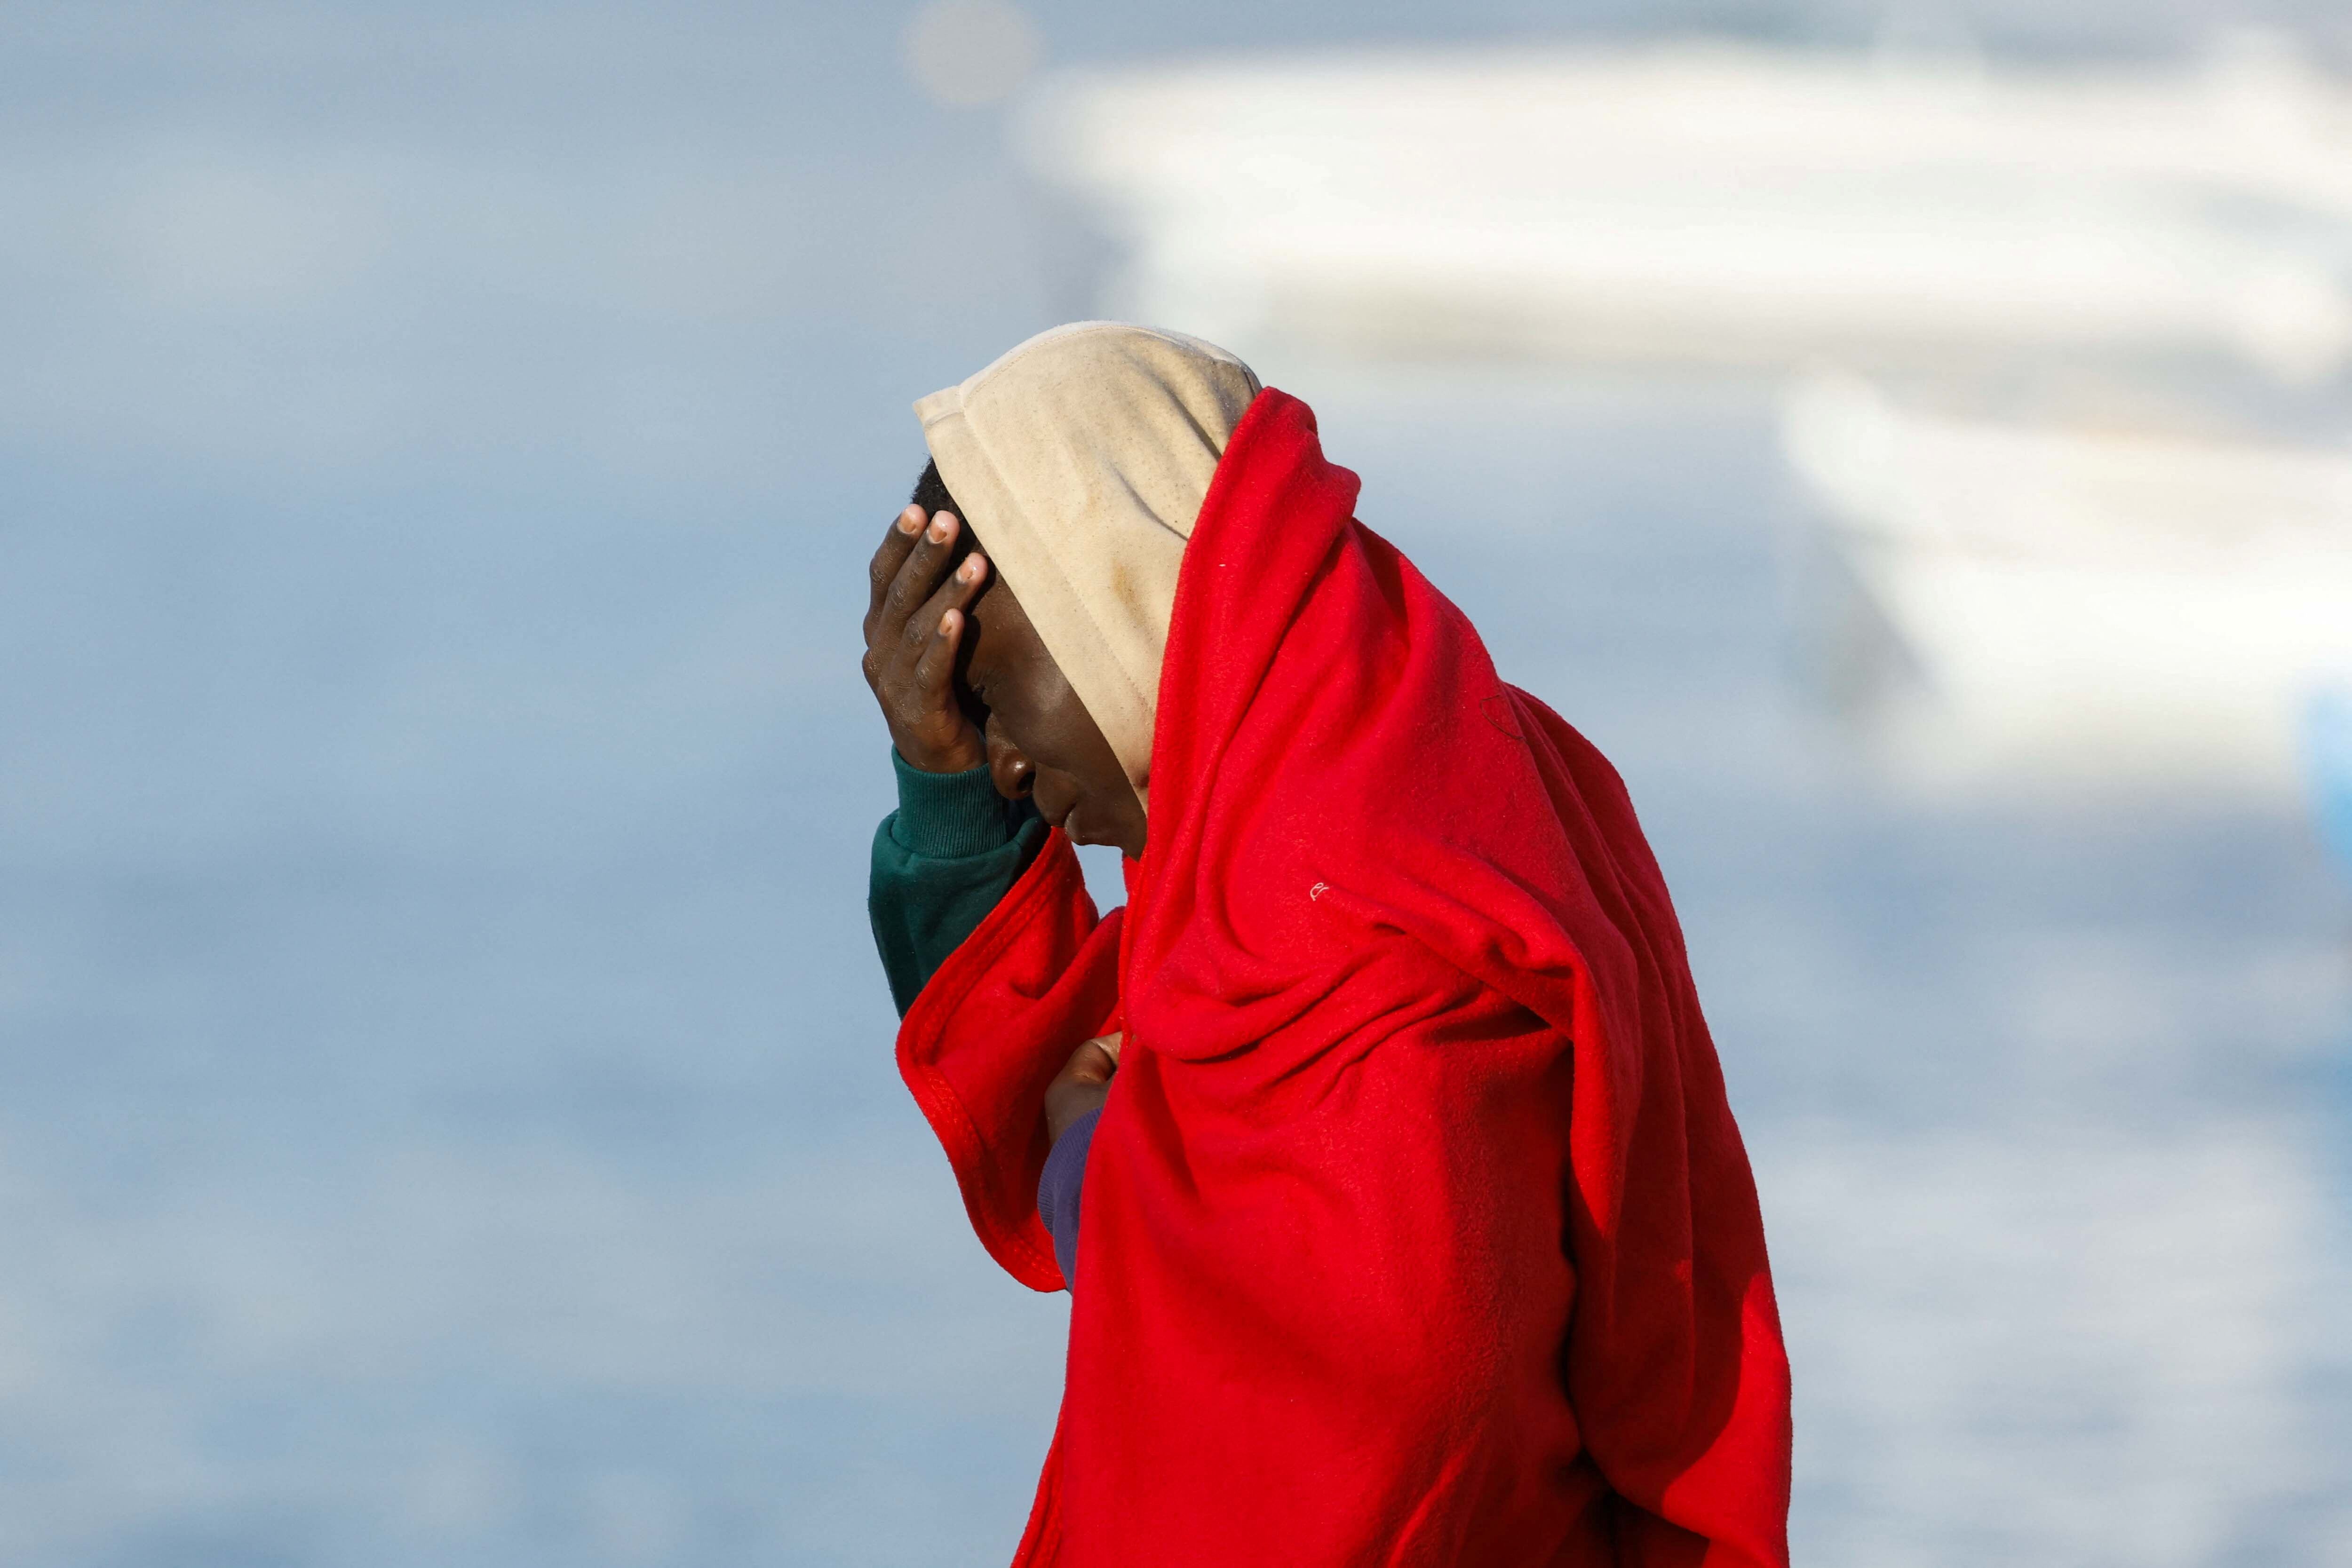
(1057, 1190)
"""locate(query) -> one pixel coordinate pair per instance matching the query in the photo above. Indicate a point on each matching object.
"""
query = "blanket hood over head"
(1083, 456)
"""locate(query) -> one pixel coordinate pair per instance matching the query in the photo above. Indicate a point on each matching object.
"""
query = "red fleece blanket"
(1417, 1228)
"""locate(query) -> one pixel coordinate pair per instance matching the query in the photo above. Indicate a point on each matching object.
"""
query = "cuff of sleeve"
(1059, 1190)
(947, 816)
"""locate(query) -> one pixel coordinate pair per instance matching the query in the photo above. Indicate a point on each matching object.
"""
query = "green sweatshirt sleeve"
(942, 861)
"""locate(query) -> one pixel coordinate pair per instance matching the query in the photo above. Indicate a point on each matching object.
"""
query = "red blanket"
(1417, 1227)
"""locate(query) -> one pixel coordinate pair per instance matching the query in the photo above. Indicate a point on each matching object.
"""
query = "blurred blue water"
(2328, 727)
(446, 1113)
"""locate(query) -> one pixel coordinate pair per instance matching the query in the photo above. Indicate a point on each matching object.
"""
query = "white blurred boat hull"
(2089, 605)
(1722, 203)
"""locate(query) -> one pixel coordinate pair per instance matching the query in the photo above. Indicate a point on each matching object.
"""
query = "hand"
(914, 621)
(1082, 1085)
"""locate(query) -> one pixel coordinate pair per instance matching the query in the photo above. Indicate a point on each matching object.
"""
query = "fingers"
(1094, 1062)
(944, 615)
(1082, 1085)
(918, 575)
(883, 569)
(915, 624)
(955, 594)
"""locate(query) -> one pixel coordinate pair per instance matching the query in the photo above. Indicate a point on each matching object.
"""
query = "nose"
(1009, 768)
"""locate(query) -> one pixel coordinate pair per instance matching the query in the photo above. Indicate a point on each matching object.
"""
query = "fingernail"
(948, 625)
(942, 526)
(972, 567)
(910, 521)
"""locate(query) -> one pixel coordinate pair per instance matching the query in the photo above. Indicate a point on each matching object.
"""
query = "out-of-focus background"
(445, 1103)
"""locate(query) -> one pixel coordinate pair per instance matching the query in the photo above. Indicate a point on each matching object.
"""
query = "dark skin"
(963, 679)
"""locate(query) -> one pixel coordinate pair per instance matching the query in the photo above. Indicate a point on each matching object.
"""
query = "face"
(1043, 744)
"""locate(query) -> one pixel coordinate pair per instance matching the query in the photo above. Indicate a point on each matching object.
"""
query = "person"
(1415, 1225)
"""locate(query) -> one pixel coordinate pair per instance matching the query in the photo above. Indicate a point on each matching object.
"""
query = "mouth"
(1060, 803)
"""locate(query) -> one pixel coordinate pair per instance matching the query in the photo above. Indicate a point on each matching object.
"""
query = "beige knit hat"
(1083, 456)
